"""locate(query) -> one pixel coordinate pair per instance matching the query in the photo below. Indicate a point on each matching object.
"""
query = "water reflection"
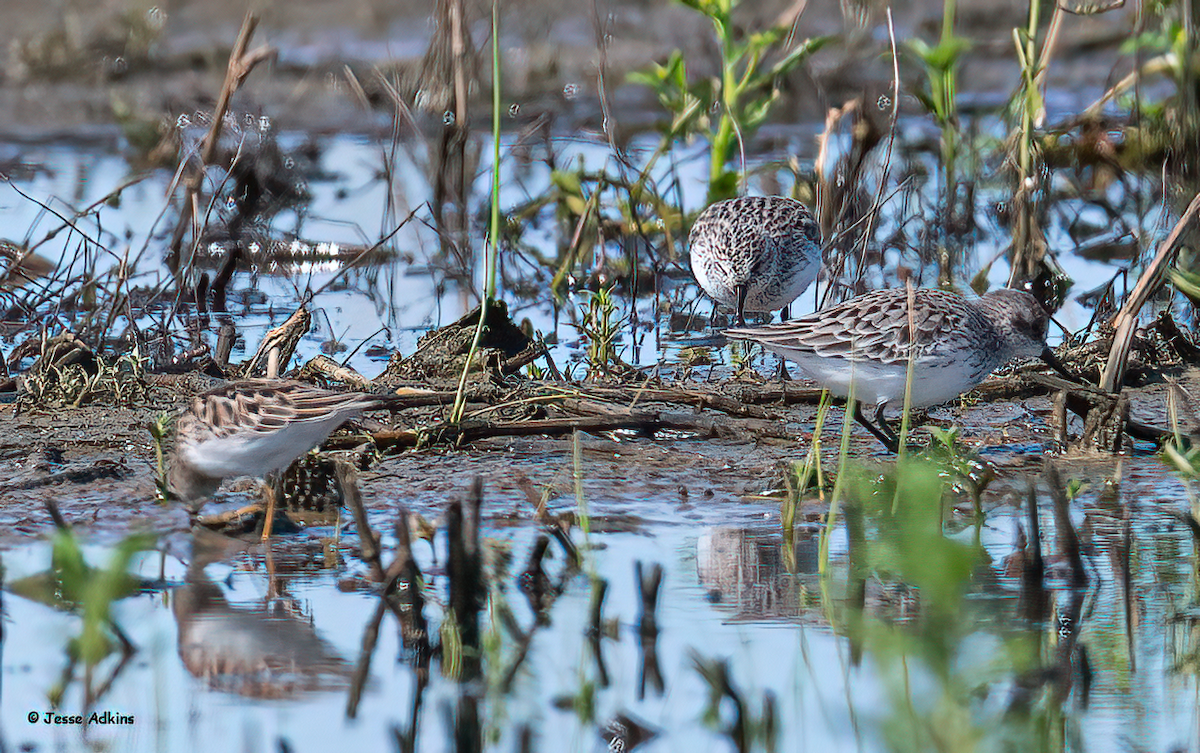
(962, 646)
(748, 571)
(922, 631)
(265, 650)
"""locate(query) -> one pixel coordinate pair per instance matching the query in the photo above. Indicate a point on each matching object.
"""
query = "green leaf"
(911, 543)
(764, 39)
(1184, 463)
(714, 9)
(1187, 283)
(926, 101)
(756, 112)
(947, 438)
(1074, 485)
(979, 283)
(686, 117)
(941, 57)
(798, 55)
(567, 182)
(664, 76)
(648, 77)
(919, 47)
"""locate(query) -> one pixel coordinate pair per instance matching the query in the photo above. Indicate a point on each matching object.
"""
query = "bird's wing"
(874, 326)
(265, 406)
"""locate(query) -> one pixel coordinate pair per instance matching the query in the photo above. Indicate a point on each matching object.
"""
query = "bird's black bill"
(1052, 361)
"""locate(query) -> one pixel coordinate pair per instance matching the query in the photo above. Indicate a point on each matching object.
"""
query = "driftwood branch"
(694, 398)
(1082, 400)
(647, 421)
(277, 346)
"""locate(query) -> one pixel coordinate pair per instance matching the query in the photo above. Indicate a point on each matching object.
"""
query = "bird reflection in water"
(262, 650)
(747, 571)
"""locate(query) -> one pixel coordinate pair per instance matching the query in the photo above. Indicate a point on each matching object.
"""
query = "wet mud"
(98, 463)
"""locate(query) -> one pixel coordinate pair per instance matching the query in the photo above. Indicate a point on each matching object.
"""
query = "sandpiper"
(255, 428)
(955, 342)
(756, 253)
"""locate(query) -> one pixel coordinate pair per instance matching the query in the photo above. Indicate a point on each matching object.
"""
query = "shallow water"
(726, 594)
(386, 306)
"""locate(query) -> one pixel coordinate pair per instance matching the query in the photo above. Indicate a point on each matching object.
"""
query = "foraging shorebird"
(756, 253)
(256, 428)
(866, 342)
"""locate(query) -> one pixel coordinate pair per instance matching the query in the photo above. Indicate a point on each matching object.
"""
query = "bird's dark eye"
(813, 231)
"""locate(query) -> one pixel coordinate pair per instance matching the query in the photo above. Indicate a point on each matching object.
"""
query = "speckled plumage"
(756, 253)
(253, 428)
(866, 341)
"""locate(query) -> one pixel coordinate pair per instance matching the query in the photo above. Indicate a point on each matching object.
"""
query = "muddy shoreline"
(97, 463)
(110, 71)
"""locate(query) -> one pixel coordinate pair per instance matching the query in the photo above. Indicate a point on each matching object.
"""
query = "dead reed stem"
(239, 66)
(367, 541)
(1125, 321)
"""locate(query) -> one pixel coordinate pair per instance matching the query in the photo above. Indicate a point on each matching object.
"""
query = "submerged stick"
(368, 542)
(647, 625)
(859, 572)
(1068, 539)
(363, 668)
(463, 566)
(596, 609)
(1035, 569)
(403, 583)
(1126, 551)
(542, 594)
(1032, 601)
(534, 583)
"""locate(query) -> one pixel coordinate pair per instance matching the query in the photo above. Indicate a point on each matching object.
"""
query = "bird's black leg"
(888, 438)
(784, 376)
(742, 292)
(785, 313)
(884, 426)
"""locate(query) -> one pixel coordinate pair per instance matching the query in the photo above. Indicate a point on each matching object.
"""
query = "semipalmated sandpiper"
(254, 428)
(955, 342)
(756, 253)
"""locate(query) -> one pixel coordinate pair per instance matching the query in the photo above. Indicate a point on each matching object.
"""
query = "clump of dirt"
(68, 373)
(441, 354)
